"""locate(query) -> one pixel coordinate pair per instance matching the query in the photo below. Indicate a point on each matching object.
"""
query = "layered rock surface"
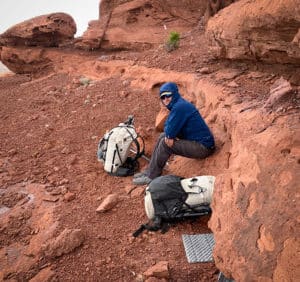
(255, 198)
(23, 45)
(25, 60)
(259, 30)
(140, 23)
(46, 30)
(132, 24)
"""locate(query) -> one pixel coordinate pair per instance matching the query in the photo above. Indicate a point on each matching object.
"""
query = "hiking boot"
(142, 180)
(139, 174)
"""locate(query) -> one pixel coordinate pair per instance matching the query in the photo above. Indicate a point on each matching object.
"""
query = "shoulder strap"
(139, 151)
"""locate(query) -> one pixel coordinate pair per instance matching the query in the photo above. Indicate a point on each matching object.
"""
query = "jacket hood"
(173, 88)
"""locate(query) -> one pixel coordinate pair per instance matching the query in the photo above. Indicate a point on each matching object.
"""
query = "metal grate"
(198, 248)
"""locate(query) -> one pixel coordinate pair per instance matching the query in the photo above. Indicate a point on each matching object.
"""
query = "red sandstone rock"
(25, 60)
(279, 90)
(65, 243)
(214, 6)
(131, 24)
(43, 31)
(92, 37)
(68, 197)
(109, 202)
(45, 274)
(261, 30)
(160, 119)
(254, 200)
(46, 30)
(159, 270)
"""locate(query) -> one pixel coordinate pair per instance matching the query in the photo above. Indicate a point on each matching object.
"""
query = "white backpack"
(120, 148)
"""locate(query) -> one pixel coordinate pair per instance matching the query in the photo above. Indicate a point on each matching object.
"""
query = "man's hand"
(169, 142)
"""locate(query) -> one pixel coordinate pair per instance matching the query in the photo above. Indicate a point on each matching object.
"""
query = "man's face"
(166, 99)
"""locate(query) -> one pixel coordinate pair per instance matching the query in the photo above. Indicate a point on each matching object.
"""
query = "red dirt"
(49, 132)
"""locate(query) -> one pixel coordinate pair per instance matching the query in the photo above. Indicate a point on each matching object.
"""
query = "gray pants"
(162, 152)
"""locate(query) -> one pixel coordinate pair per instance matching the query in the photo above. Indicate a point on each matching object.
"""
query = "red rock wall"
(260, 30)
(255, 201)
(255, 215)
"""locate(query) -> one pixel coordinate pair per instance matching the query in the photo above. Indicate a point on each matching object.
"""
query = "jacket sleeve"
(176, 121)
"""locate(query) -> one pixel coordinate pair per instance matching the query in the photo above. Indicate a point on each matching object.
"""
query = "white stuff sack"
(199, 189)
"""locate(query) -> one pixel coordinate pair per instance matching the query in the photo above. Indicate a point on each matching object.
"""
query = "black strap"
(139, 231)
(145, 227)
(118, 152)
(195, 211)
(139, 152)
(113, 161)
(153, 225)
(164, 227)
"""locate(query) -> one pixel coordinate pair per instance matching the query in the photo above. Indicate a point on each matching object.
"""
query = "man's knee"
(163, 146)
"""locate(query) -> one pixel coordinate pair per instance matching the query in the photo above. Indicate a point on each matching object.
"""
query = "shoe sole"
(141, 182)
(138, 175)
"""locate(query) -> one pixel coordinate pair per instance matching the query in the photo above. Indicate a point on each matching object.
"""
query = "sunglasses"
(166, 96)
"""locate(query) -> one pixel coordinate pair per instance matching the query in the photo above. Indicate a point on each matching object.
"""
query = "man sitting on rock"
(185, 134)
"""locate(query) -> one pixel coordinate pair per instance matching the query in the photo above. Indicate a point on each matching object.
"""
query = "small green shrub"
(173, 41)
(85, 81)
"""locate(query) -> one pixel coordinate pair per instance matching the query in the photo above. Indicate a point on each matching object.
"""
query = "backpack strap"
(155, 225)
(139, 152)
(116, 152)
(198, 210)
(101, 153)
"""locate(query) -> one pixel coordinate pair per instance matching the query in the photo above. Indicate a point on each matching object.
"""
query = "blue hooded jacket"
(184, 120)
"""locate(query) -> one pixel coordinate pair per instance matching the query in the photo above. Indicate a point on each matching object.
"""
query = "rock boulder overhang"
(257, 30)
(44, 31)
(22, 47)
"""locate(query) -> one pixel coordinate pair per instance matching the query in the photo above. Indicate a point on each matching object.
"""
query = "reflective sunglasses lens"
(165, 96)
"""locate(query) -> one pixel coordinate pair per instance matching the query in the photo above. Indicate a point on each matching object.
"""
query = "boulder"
(259, 30)
(46, 30)
(25, 60)
(22, 45)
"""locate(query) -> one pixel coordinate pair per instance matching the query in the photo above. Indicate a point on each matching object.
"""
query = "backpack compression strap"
(117, 151)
